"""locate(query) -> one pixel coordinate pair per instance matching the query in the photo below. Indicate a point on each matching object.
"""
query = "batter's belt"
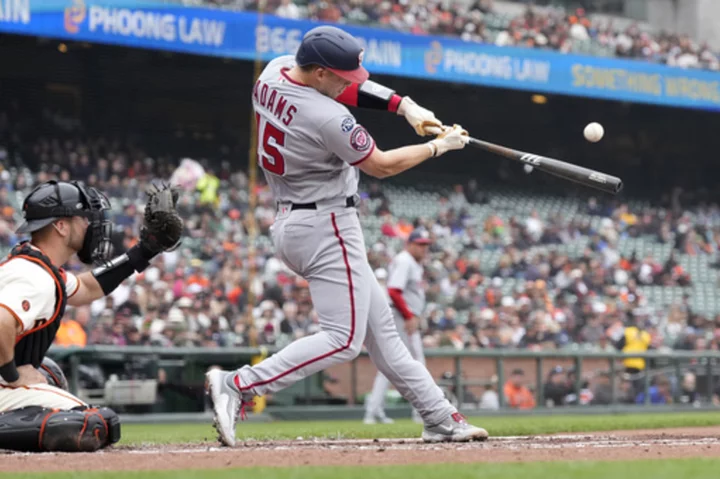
(350, 202)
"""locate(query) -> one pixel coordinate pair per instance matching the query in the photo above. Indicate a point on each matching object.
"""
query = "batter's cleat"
(225, 403)
(454, 429)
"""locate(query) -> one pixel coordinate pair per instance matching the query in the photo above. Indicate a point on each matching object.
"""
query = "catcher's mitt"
(163, 227)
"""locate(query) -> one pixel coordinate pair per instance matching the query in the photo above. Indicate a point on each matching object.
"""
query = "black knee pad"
(34, 429)
(53, 374)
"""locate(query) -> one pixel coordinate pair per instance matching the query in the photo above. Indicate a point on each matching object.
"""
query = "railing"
(194, 361)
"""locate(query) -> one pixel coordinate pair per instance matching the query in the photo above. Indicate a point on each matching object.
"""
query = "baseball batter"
(310, 149)
(37, 413)
(407, 297)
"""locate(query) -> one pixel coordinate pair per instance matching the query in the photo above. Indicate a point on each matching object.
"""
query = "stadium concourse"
(504, 23)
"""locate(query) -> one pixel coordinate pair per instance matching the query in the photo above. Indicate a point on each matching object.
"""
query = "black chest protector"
(32, 345)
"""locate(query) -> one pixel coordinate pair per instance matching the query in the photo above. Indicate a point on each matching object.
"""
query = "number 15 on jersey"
(269, 138)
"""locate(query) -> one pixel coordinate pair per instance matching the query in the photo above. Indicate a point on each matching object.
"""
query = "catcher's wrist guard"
(119, 269)
(9, 372)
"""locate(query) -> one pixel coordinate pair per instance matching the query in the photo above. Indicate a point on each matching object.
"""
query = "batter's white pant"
(375, 404)
(42, 395)
(326, 247)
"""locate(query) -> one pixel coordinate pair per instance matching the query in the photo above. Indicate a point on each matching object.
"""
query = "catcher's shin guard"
(38, 429)
(53, 374)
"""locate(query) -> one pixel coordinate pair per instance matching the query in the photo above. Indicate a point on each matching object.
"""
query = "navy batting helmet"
(335, 50)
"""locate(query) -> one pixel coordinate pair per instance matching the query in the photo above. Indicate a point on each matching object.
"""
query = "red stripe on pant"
(352, 322)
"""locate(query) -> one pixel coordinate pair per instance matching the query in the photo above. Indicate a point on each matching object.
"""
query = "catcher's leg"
(38, 429)
(43, 395)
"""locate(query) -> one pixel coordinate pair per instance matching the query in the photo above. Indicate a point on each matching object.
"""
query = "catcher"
(37, 413)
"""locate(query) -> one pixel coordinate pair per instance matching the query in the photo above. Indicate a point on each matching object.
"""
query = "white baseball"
(594, 132)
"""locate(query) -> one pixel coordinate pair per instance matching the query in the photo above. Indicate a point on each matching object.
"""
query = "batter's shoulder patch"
(25, 305)
(347, 124)
(360, 139)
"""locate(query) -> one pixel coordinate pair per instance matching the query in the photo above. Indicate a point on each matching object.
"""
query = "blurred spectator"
(489, 398)
(660, 393)
(517, 395)
(601, 389)
(627, 393)
(72, 328)
(631, 339)
(555, 389)
(688, 390)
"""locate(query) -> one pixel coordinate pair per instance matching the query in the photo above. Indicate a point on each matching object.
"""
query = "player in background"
(407, 296)
(37, 413)
(311, 150)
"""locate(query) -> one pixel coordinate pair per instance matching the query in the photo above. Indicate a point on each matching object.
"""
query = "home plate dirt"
(617, 445)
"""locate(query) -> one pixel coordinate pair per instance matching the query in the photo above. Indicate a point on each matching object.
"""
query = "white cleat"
(454, 429)
(225, 403)
(386, 420)
(378, 419)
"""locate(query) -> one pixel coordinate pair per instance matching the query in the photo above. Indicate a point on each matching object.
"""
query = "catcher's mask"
(53, 200)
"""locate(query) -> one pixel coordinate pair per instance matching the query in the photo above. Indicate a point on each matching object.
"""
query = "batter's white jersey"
(308, 143)
(27, 290)
(407, 274)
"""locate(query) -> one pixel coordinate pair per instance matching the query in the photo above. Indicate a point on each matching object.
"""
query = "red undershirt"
(399, 302)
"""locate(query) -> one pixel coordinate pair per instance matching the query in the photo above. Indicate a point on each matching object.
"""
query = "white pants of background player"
(327, 248)
(375, 404)
(43, 395)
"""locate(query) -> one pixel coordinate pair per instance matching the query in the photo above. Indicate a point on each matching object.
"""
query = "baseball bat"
(562, 169)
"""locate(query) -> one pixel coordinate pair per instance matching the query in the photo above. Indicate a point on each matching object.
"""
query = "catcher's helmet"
(335, 50)
(53, 200)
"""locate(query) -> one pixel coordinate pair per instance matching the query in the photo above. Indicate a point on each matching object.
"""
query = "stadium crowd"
(201, 295)
(478, 21)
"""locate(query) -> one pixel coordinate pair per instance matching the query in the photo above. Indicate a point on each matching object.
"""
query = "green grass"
(135, 434)
(667, 469)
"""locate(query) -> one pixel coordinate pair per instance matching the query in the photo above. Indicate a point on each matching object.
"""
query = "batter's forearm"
(393, 162)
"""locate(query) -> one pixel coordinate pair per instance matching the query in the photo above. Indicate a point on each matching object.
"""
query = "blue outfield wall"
(205, 31)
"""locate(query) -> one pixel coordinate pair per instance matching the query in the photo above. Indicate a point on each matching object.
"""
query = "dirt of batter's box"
(618, 445)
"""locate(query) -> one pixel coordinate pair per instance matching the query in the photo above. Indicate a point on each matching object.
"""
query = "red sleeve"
(399, 302)
(349, 96)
